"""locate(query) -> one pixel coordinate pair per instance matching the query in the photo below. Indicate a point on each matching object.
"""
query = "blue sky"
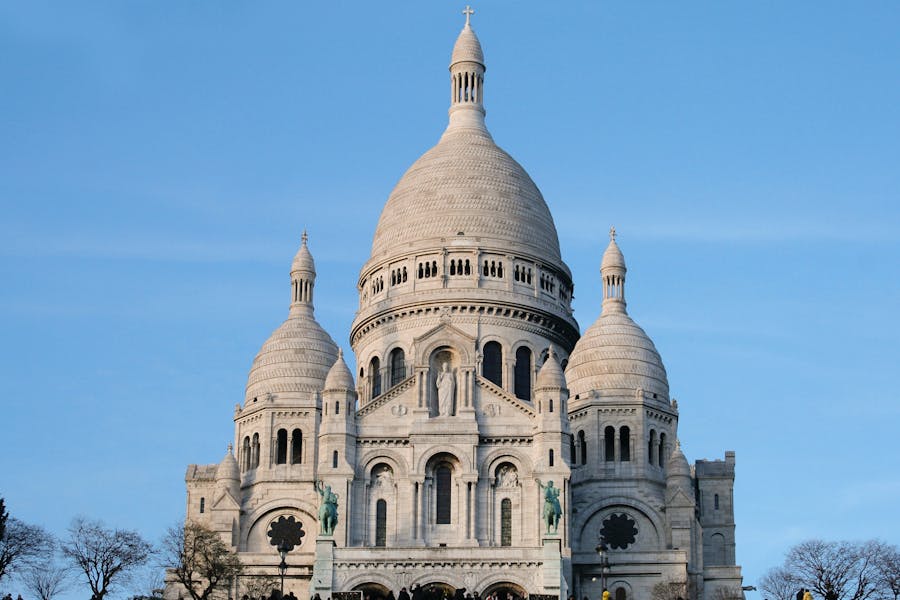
(159, 161)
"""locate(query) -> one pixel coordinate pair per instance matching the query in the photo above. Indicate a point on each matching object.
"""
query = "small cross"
(304, 237)
(612, 234)
(468, 12)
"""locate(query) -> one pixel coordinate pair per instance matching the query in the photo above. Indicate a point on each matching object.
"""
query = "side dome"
(295, 360)
(615, 355)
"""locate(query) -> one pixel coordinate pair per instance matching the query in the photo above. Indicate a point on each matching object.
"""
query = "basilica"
(482, 442)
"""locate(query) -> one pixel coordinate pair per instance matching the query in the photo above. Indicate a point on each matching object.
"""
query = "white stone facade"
(443, 484)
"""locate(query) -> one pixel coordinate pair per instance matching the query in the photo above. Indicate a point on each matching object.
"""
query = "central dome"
(467, 186)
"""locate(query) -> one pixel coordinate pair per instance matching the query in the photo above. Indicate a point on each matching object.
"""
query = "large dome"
(466, 185)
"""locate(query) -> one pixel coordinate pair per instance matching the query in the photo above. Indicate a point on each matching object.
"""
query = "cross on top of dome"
(468, 12)
(612, 234)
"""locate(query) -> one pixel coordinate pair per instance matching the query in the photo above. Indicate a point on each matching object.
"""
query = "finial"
(340, 354)
(230, 448)
(468, 12)
(612, 234)
(550, 353)
(304, 238)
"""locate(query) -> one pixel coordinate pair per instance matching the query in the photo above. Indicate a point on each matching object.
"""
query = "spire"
(550, 374)
(303, 276)
(339, 377)
(467, 79)
(612, 274)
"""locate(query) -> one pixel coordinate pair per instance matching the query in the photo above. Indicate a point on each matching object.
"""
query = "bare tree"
(833, 570)
(199, 559)
(779, 583)
(20, 544)
(107, 557)
(46, 580)
(887, 569)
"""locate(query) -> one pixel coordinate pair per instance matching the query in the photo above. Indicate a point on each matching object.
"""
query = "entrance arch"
(505, 590)
(372, 590)
(437, 590)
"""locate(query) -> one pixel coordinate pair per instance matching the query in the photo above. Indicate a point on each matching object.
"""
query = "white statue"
(446, 385)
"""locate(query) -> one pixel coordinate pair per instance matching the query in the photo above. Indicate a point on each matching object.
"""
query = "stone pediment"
(679, 499)
(497, 410)
(225, 501)
(444, 334)
(396, 403)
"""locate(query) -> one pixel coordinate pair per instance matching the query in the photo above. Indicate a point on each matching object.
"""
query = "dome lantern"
(303, 277)
(612, 273)
(467, 78)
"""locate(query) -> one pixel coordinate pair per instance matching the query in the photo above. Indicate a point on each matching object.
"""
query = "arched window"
(443, 494)
(492, 363)
(662, 450)
(398, 366)
(609, 444)
(337, 407)
(245, 453)
(621, 594)
(582, 445)
(296, 447)
(650, 446)
(375, 376)
(334, 459)
(624, 443)
(716, 501)
(506, 522)
(381, 523)
(550, 458)
(572, 459)
(281, 447)
(254, 451)
(522, 373)
(202, 505)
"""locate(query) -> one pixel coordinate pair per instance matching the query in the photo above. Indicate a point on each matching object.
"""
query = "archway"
(505, 590)
(438, 590)
(372, 591)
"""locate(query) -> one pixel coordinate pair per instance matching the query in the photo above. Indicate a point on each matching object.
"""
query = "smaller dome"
(677, 464)
(303, 261)
(613, 257)
(615, 355)
(678, 471)
(339, 377)
(228, 469)
(467, 47)
(550, 375)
